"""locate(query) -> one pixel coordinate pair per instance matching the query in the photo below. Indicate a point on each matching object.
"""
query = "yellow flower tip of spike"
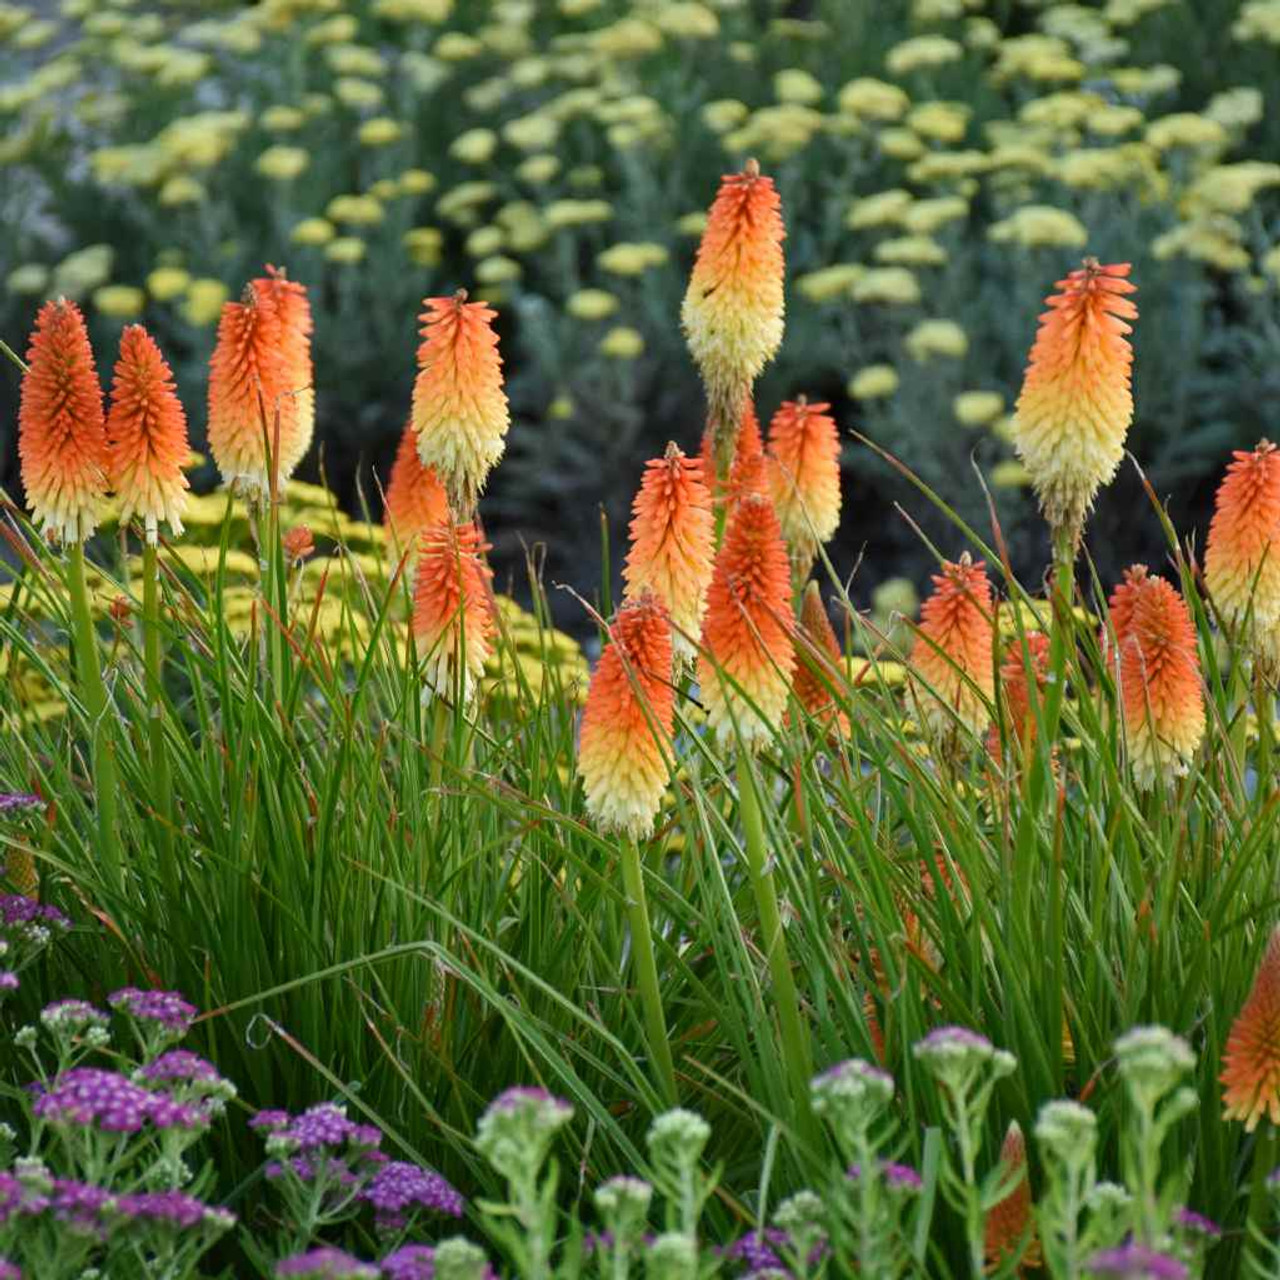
(733, 308)
(452, 619)
(1076, 403)
(672, 545)
(1242, 559)
(628, 721)
(804, 476)
(460, 409)
(146, 436)
(951, 657)
(1157, 670)
(747, 655)
(1251, 1058)
(62, 441)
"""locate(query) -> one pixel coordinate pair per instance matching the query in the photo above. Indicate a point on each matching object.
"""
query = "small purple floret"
(1197, 1223)
(271, 1121)
(399, 1187)
(105, 1100)
(8, 980)
(167, 1008)
(11, 801)
(1135, 1261)
(18, 909)
(183, 1065)
(8, 1271)
(326, 1264)
(961, 1037)
(410, 1262)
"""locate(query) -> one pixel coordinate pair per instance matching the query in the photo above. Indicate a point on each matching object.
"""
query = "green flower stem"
(795, 1036)
(153, 658)
(1264, 1163)
(974, 1219)
(103, 746)
(646, 969)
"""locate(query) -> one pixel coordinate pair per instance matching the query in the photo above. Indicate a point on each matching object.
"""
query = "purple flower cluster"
(1197, 1224)
(167, 1009)
(410, 1262)
(172, 1209)
(326, 1125)
(398, 1188)
(183, 1066)
(24, 921)
(326, 1264)
(1135, 1261)
(757, 1250)
(15, 801)
(8, 1271)
(898, 1177)
(8, 980)
(106, 1100)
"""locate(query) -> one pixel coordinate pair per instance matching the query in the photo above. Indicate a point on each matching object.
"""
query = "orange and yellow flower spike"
(415, 499)
(1076, 402)
(1251, 1057)
(804, 476)
(452, 618)
(628, 720)
(672, 545)
(249, 391)
(1158, 676)
(1242, 558)
(147, 436)
(820, 664)
(733, 308)
(298, 396)
(952, 654)
(1010, 1228)
(747, 657)
(62, 438)
(1015, 684)
(459, 405)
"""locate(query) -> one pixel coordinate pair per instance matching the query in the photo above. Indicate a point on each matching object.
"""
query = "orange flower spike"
(953, 649)
(1010, 1227)
(1076, 402)
(1020, 721)
(452, 620)
(672, 545)
(749, 444)
(628, 720)
(733, 308)
(820, 663)
(62, 438)
(1251, 1058)
(459, 405)
(415, 499)
(247, 382)
(298, 396)
(747, 657)
(1158, 676)
(804, 476)
(147, 436)
(1242, 558)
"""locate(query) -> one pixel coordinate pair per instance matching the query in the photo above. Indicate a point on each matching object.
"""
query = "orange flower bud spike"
(297, 390)
(452, 620)
(952, 655)
(1158, 677)
(1010, 1228)
(1251, 1059)
(1242, 558)
(459, 406)
(820, 665)
(629, 719)
(672, 537)
(1076, 402)
(147, 435)
(804, 477)
(415, 498)
(248, 391)
(733, 308)
(1015, 683)
(747, 657)
(62, 439)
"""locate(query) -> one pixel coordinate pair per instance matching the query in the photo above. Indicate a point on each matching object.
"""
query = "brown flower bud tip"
(298, 543)
(120, 610)
(751, 169)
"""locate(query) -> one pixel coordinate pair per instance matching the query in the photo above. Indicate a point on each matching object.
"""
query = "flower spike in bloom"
(1242, 558)
(747, 657)
(147, 435)
(298, 406)
(953, 648)
(452, 619)
(1076, 403)
(1251, 1058)
(748, 444)
(415, 498)
(1158, 676)
(628, 720)
(459, 405)
(733, 308)
(249, 390)
(804, 476)
(1010, 1228)
(62, 438)
(1020, 722)
(672, 543)
(820, 664)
